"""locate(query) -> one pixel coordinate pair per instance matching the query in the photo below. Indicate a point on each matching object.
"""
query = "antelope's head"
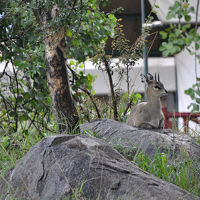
(154, 87)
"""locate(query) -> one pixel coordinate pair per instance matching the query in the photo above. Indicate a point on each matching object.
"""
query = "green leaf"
(191, 9)
(190, 92)
(5, 141)
(76, 43)
(198, 100)
(111, 16)
(187, 18)
(12, 113)
(24, 117)
(170, 15)
(69, 33)
(138, 96)
(163, 34)
(186, 5)
(195, 107)
(154, 11)
(176, 5)
(81, 65)
(27, 95)
(185, 27)
(90, 78)
(3, 111)
(71, 62)
(197, 46)
(20, 99)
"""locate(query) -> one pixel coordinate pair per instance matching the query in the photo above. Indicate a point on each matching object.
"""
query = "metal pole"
(144, 45)
(143, 33)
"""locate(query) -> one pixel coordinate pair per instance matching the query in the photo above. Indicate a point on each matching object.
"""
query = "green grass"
(14, 146)
(183, 175)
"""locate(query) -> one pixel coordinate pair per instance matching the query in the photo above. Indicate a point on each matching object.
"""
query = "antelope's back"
(137, 115)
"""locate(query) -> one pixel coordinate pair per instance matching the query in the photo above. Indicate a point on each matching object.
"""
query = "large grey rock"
(178, 146)
(58, 165)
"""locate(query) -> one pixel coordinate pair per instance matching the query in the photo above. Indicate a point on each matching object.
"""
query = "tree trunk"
(57, 75)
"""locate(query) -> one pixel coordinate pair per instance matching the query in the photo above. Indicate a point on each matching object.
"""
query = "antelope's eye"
(157, 87)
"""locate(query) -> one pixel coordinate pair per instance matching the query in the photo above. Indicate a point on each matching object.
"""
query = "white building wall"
(163, 10)
(164, 66)
(185, 63)
(186, 77)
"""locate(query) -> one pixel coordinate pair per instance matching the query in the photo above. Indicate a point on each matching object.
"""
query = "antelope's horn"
(158, 78)
(155, 77)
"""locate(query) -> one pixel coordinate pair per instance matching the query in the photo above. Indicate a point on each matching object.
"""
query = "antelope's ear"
(144, 78)
(150, 76)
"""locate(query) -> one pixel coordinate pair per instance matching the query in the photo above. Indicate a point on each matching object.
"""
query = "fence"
(187, 116)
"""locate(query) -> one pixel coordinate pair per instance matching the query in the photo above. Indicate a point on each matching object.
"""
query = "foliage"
(24, 99)
(127, 102)
(90, 107)
(79, 80)
(194, 93)
(183, 175)
(104, 109)
(181, 36)
(128, 54)
(180, 10)
(13, 147)
(76, 193)
(24, 96)
(25, 106)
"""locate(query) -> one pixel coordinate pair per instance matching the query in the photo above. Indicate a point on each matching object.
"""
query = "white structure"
(163, 10)
(185, 63)
(165, 67)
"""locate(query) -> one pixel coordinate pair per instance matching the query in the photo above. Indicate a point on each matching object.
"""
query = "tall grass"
(14, 145)
(183, 174)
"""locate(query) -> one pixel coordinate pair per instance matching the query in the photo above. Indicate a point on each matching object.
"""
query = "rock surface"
(131, 139)
(59, 166)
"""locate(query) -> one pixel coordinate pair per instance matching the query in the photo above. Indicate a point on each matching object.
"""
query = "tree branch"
(114, 102)
(92, 100)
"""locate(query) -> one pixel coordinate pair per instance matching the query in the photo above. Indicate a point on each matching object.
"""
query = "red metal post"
(195, 117)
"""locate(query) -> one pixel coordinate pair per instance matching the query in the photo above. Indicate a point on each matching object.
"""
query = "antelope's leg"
(147, 125)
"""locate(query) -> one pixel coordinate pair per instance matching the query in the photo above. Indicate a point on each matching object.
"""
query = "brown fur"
(149, 114)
